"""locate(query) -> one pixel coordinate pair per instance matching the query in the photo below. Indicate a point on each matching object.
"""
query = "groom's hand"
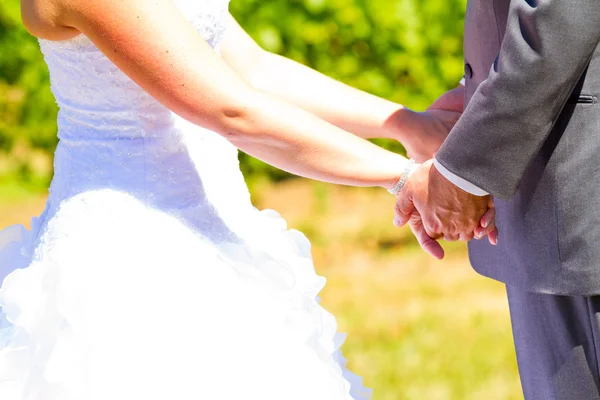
(434, 208)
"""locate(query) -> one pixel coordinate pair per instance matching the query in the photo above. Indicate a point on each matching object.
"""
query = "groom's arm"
(546, 48)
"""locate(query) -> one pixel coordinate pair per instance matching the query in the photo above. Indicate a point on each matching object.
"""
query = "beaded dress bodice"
(114, 135)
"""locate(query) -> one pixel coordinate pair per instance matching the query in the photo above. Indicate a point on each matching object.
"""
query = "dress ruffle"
(128, 302)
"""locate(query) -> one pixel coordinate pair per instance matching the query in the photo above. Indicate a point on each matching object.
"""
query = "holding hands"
(435, 208)
(430, 204)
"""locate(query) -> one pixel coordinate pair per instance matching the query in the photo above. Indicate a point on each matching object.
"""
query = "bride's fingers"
(428, 244)
(488, 218)
(404, 209)
(482, 232)
(493, 234)
(491, 231)
(493, 237)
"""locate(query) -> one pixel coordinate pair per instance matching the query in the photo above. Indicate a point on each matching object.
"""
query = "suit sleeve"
(546, 48)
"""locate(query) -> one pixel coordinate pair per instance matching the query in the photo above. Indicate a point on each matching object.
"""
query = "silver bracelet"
(402, 180)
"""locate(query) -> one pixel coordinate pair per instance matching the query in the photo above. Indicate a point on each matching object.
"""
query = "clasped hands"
(435, 208)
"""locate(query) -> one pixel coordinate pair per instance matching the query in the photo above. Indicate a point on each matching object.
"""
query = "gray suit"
(530, 136)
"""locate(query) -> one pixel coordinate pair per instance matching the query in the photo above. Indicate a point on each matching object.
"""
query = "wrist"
(396, 185)
(457, 181)
(397, 126)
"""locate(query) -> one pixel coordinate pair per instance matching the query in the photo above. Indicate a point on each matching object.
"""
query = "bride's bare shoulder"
(42, 18)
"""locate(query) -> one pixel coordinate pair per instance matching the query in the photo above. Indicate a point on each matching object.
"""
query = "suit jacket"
(530, 136)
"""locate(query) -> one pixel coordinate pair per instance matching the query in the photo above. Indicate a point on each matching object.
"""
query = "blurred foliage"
(27, 107)
(408, 51)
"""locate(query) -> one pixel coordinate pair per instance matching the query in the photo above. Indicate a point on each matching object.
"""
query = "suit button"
(468, 71)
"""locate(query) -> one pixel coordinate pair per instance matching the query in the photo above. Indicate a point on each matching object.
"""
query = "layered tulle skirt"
(110, 299)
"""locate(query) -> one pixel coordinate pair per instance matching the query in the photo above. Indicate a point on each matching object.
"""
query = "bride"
(150, 275)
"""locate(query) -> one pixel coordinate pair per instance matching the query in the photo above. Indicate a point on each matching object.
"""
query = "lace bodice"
(87, 85)
(114, 135)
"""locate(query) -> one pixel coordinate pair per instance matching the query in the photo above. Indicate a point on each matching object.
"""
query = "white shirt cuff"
(458, 181)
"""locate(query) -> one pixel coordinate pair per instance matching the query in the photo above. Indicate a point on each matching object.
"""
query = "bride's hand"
(422, 133)
(426, 133)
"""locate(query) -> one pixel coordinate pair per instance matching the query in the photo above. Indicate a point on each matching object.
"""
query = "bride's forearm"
(296, 141)
(350, 109)
(180, 70)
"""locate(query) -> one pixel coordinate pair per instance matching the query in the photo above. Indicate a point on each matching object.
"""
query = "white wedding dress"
(150, 275)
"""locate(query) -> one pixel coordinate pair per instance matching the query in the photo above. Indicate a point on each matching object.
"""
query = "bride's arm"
(355, 111)
(153, 43)
(350, 109)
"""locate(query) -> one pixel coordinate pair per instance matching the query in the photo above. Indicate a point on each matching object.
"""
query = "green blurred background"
(418, 329)
(409, 51)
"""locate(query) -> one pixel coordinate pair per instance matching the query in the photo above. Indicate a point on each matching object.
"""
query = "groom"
(530, 137)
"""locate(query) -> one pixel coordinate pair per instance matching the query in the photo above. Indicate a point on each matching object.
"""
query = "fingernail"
(486, 223)
(396, 223)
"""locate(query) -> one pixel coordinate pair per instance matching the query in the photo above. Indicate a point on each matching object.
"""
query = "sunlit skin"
(434, 208)
(300, 125)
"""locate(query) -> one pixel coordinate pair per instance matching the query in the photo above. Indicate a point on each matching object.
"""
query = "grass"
(417, 328)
